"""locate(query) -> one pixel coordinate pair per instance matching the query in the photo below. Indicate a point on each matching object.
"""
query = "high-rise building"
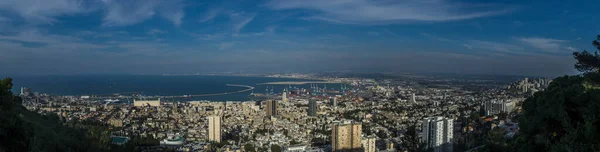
(389, 146)
(284, 95)
(312, 107)
(437, 133)
(271, 107)
(25, 91)
(346, 137)
(214, 128)
(368, 143)
(333, 101)
(413, 98)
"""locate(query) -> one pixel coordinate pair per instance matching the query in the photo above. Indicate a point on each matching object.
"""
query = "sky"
(508, 37)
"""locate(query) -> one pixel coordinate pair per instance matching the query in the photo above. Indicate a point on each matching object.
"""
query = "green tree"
(566, 116)
(249, 148)
(23, 130)
(276, 148)
(587, 62)
(411, 140)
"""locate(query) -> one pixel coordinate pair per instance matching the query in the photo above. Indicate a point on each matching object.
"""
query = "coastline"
(296, 82)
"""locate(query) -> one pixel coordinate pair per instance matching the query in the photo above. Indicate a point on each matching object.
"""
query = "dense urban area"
(365, 113)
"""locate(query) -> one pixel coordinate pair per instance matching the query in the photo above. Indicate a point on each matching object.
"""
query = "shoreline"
(296, 82)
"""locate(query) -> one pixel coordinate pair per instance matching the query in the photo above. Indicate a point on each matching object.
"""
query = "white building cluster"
(492, 107)
(437, 133)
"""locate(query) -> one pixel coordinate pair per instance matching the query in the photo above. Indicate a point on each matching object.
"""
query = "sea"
(156, 85)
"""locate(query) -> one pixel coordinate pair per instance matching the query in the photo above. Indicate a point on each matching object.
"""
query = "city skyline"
(157, 37)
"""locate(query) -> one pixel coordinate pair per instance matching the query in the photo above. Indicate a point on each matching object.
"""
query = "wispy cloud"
(436, 37)
(546, 44)
(518, 23)
(271, 29)
(572, 49)
(34, 36)
(494, 46)
(226, 45)
(155, 32)
(42, 11)
(390, 32)
(210, 14)
(215, 36)
(387, 12)
(127, 12)
(240, 20)
(468, 46)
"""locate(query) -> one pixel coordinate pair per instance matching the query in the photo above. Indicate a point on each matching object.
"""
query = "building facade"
(346, 137)
(284, 95)
(368, 143)
(271, 108)
(437, 133)
(492, 107)
(214, 128)
(333, 101)
(312, 107)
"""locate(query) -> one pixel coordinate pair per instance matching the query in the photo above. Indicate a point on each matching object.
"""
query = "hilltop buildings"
(492, 107)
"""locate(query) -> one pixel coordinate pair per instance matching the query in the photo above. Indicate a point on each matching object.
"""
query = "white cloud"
(226, 45)
(387, 12)
(389, 32)
(270, 29)
(155, 32)
(518, 23)
(494, 46)
(127, 12)
(435, 37)
(240, 20)
(468, 46)
(43, 11)
(572, 49)
(174, 17)
(546, 44)
(37, 37)
(210, 14)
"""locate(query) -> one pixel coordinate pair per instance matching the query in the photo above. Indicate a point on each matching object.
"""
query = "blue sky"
(511, 37)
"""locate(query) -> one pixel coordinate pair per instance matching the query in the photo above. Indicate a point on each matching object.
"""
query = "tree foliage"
(586, 61)
(23, 130)
(249, 148)
(276, 148)
(566, 116)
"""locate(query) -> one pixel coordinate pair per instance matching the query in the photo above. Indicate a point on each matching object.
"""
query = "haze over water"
(152, 85)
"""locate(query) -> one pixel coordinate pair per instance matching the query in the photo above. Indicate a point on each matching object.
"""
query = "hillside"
(23, 130)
